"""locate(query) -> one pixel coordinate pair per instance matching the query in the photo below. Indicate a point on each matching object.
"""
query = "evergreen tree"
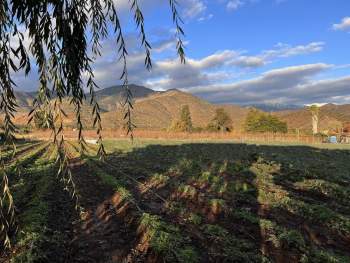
(184, 124)
(186, 119)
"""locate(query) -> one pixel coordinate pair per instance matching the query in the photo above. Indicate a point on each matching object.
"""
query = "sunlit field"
(183, 201)
(235, 136)
(177, 131)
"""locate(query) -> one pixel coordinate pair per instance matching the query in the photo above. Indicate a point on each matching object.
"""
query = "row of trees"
(220, 122)
(256, 121)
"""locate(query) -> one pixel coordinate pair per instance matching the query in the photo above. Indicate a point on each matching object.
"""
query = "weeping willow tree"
(60, 33)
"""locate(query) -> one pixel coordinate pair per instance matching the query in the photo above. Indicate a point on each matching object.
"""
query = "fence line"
(158, 134)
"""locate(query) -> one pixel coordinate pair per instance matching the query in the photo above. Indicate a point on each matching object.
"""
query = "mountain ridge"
(156, 109)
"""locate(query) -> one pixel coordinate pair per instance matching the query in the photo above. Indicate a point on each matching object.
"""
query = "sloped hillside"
(158, 110)
(109, 98)
(24, 100)
(21, 118)
(301, 119)
(339, 112)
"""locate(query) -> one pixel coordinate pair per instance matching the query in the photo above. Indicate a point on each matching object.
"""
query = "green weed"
(167, 239)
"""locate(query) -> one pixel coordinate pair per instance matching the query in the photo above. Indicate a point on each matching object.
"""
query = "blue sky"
(240, 51)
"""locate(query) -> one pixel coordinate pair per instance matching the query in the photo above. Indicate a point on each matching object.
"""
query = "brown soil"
(108, 229)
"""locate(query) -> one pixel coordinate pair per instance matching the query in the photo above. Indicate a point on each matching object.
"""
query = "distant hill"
(21, 117)
(24, 100)
(339, 112)
(331, 117)
(269, 107)
(109, 98)
(138, 91)
(157, 109)
(152, 110)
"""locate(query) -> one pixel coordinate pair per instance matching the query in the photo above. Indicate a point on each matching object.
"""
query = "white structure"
(91, 141)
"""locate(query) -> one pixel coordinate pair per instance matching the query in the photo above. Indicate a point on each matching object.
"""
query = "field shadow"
(211, 202)
(44, 210)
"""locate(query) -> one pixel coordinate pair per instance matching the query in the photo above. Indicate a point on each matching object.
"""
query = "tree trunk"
(314, 123)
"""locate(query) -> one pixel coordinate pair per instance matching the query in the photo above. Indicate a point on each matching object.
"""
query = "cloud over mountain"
(256, 74)
(286, 85)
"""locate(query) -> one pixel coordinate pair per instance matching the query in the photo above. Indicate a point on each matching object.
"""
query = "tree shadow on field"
(317, 199)
(211, 202)
(44, 210)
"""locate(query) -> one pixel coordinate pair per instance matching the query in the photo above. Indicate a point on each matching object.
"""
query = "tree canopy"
(221, 121)
(184, 124)
(257, 121)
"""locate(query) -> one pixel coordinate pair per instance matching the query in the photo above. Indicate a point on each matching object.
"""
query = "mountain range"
(273, 107)
(157, 109)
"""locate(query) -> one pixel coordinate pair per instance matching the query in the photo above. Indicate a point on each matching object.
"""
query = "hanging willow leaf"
(61, 50)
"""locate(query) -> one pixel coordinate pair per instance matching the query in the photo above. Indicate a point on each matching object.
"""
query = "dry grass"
(164, 135)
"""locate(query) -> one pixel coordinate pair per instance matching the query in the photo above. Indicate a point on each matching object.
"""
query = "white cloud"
(193, 8)
(343, 25)
(124, 5)
(168, 72)
(234, 5)
(276, 79)
(280, 51)
(316, 104)
(284, 50)
(212, 77)
(295, 85)
(206, 17)
(248, 61)
(189, 9)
